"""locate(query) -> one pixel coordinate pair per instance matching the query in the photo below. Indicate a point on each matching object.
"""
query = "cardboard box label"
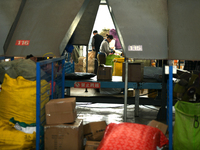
(92, 145)
(94, 131)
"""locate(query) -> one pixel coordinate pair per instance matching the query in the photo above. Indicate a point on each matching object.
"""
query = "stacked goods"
(94, 133)
(11, 96)
(92, 145)
(79, 65)
(135, 72)
(104, 73)
(18, 101)
(91, 62)
(63, 130)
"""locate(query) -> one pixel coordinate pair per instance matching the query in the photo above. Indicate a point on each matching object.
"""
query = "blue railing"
(69, 66)
(169, 107)
(50, 76)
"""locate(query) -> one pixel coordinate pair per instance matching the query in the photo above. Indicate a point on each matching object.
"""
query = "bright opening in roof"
(103, 21)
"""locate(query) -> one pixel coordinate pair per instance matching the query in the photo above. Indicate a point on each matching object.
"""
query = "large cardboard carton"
(64, 136)
(92, 145)
(94, 131)
(135, 72)
(104, 73)
(60, 111)
(163, 127)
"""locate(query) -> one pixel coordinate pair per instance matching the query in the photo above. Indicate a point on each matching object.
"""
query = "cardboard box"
(104, 73)
(64, 136)
(135, 72)
(60, 111)
(94, 131)
(163, 127)
(92, 145)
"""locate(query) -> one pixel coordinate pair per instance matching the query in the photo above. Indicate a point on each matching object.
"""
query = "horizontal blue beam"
(147, 85)
(50, 60)
(104, 84)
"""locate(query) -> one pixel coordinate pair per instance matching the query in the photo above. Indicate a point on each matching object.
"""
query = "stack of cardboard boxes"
(63, 130)
(94, 133)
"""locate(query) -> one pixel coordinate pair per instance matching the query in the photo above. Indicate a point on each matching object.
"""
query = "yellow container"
(117, 69)
(120, 60)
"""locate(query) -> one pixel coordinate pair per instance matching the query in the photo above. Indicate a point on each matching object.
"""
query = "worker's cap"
(110, 36)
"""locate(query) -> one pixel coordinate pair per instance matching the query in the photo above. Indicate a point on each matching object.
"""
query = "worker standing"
(104, 48)
(96, 42)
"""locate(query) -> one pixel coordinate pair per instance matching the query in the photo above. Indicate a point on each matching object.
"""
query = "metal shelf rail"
(169, 107)
(53, 72)
(69, 66)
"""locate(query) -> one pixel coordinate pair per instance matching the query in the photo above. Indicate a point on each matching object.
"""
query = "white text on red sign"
(22, 42)
(87, 85)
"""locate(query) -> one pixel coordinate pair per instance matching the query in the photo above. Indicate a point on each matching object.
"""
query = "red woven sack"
(132, 136)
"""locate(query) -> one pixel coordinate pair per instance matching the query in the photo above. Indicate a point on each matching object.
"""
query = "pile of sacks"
(18, 104)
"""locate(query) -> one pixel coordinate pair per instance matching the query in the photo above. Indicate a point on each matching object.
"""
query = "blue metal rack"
(53, 72)
(169, 107)
(69, 66)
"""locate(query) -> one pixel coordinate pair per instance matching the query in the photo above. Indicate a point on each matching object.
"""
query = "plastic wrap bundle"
(132, 136)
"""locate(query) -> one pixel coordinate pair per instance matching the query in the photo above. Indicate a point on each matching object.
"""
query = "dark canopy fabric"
(158, 29)
(8, 12)
(184, 29)
(143, 27)
(83, 31)
(46, 25)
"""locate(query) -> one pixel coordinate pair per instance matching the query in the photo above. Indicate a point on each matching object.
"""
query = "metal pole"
(125, 89)
(37, 106)
(52, 79)
(86, 58)
(63, 78)
(137, 95)
(170, 105)
(86, 63)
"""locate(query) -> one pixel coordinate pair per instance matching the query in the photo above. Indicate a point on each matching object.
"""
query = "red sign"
(22, 42)
(95, 85)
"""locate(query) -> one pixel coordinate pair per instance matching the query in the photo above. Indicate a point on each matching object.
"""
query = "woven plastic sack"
(18, 99)
(132, 136)
(109, 59)
(12, 139)
(20, 67)
(186, 127)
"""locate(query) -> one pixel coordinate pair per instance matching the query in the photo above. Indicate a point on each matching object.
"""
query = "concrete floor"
(111, 113)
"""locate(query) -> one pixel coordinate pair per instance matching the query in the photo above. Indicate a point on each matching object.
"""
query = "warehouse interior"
(148, 85)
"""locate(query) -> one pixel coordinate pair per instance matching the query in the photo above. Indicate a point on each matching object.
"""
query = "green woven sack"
(109, 59)
(186, 128)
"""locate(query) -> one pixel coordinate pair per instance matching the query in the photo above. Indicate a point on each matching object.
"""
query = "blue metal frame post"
(63, 78)
(52, 78)
(170, 107)
(38, 106)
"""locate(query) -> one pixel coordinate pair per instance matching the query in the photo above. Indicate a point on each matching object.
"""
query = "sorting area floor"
(111, 113)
